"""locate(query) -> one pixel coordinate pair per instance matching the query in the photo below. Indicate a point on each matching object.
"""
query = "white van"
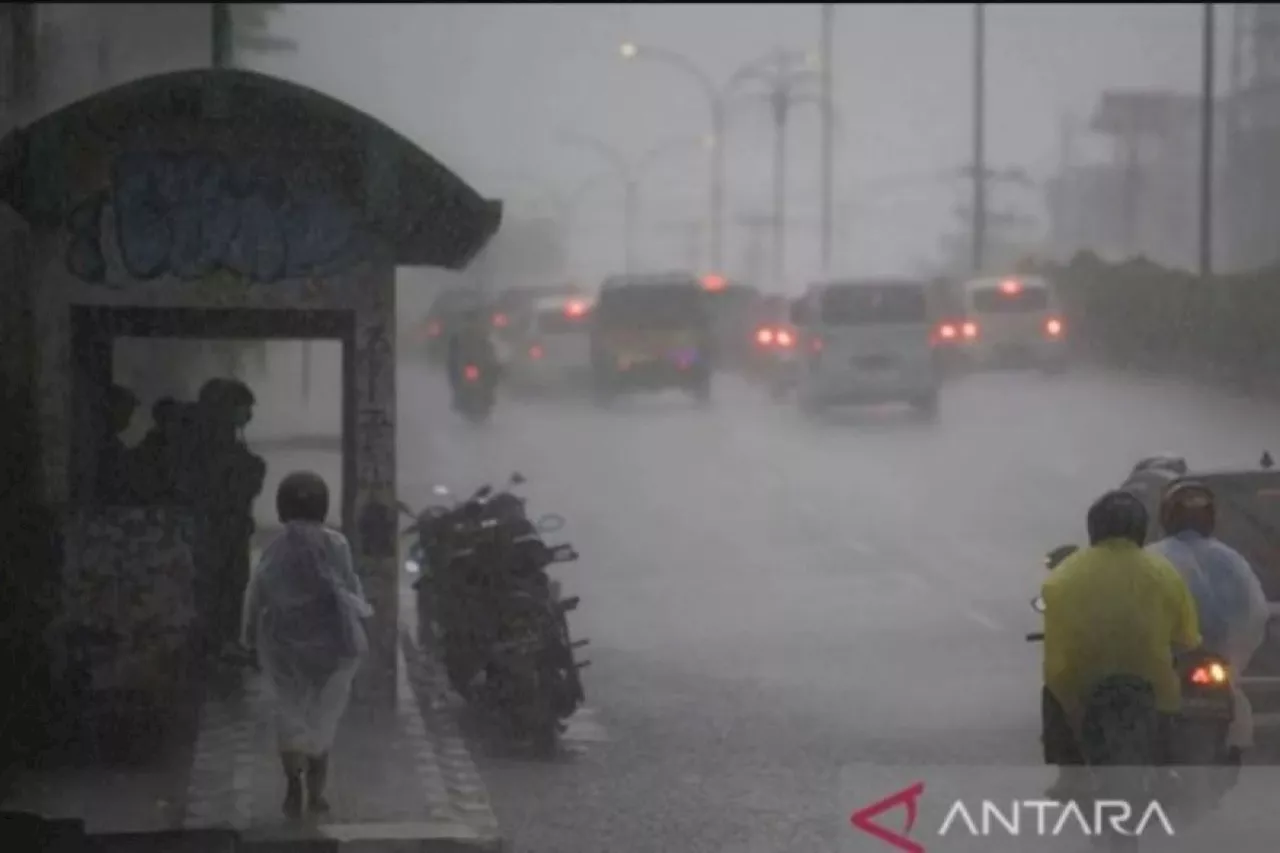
(866, 341)
(1013, 321)
(553, 346)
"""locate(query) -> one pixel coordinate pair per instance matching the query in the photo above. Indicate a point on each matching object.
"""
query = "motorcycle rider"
(1232, 606)
(1110, 609)
(470, 343)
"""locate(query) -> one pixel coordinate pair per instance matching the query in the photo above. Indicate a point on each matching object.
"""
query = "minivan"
(866, 341)
(1014, 321)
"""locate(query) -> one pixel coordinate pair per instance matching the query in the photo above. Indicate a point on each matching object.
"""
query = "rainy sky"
(491, 89)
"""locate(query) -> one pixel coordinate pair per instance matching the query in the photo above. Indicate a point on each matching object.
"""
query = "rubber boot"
(317, 778)
(293, 797)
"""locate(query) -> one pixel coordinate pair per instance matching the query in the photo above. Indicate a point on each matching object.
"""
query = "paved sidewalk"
(406, 780)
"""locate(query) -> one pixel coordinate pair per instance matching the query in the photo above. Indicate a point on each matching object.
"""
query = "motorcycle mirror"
(1055, 557)
(550, 523)
(517, 479)
(482, 493)
(1267, 462)
(1037, 604)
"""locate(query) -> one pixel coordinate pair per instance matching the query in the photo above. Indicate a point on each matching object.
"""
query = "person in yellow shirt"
(1111, 609)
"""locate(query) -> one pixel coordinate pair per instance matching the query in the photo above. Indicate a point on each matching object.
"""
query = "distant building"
(1143, 200)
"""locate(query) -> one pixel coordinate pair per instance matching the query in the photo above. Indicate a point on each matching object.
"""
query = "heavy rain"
(790, 340)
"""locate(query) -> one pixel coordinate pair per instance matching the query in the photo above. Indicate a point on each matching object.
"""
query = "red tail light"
(471, 372)
(815, 345)
(1210, 673)
(575, 309)
(969, 331)
(433, 329)
(535, 352)
(764, 337)
(784, 338)
(500, 321)
(945, 333)
(1053, 327)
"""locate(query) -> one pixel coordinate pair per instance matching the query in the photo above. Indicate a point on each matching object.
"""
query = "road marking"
(982, 619)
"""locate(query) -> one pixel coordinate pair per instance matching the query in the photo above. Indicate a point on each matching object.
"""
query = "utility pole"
(827, 176)
(780, 102)
(979, 137)
(1206, 146)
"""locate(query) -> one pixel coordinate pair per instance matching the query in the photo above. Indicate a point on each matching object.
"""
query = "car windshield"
(874, 305)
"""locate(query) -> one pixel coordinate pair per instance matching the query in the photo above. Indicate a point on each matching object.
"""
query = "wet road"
(770, 598)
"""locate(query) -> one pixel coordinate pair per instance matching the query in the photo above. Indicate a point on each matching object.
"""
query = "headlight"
(412, 567)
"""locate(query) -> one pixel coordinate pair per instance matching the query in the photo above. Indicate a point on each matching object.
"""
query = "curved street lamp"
(786, 79)
(630, 171)
(718, 97)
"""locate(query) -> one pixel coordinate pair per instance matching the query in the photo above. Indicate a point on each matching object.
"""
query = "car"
(650, 333)
(512, 308)
(440, 320)
(1248, 502)
(554, 345)
(1012, 321)
(733, 308)
(773, 362)
(866, 341)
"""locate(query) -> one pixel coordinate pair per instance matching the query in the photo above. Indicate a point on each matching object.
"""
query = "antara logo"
(1013, 818)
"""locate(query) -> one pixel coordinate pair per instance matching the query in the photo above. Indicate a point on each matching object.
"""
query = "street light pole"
(1206, 145)
(827, 176)
(718, 100)
(784, 77)
(630, 215)
(715, 219)
(629, 173)
(780, 104)
(979, 136)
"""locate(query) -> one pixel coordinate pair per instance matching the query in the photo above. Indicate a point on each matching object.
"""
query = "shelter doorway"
(95, 330)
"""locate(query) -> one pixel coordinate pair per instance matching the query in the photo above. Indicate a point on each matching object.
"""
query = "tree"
(245, 27)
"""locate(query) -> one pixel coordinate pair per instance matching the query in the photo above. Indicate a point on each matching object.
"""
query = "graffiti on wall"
(192, 215)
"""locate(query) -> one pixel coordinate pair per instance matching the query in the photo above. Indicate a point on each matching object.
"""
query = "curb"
(461, 777)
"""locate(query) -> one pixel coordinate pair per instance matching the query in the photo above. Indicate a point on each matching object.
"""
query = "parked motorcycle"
(1118, 733)
(487, 605)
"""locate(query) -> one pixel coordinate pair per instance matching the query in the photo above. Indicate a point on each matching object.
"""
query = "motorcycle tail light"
(1053, 327)
(535, 352)
(1209, 674)
(471, 372)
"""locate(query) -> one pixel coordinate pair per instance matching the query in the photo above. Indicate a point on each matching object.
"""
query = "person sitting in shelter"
(229, 478)
(164, 457)
(115, 483)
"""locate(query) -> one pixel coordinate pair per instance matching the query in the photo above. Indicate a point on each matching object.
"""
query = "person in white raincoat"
(303, 613)
(1232, 606)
